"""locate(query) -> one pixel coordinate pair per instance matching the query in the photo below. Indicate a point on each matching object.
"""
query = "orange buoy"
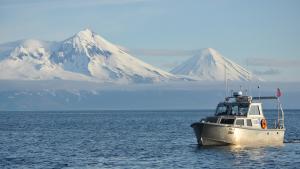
(263, 123)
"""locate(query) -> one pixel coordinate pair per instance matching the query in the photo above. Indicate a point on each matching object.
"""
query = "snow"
(87, 56)
(84, 56)
(210, 65)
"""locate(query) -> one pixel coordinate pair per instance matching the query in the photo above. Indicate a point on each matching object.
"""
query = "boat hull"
(213, 134)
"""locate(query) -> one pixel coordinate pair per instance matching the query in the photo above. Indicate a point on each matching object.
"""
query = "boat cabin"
(242, 111)
(240, 114)
(239, 109)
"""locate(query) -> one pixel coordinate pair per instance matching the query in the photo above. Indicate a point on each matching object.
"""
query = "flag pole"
(226, 82)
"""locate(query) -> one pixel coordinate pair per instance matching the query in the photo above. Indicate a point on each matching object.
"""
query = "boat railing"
(275, 123)
(282, 113)
(279, 122)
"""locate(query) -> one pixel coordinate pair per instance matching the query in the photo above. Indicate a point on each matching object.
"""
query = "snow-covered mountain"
(210, 65)
(29, 60)
(85, 56)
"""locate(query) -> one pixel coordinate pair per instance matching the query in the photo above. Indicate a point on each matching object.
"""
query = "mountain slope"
(85, 56)
(90, 54)
(29, 60)
(210, 65)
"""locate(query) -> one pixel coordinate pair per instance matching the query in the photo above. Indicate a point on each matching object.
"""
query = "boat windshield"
(236, 109)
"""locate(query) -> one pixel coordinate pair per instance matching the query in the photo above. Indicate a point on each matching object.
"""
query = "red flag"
(278, 94)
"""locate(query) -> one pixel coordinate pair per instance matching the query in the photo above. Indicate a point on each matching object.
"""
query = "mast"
(258, 87)
(278, 108)
(248, 77)
(225, 79)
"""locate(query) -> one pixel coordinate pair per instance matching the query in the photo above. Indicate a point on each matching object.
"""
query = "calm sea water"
(129, 139)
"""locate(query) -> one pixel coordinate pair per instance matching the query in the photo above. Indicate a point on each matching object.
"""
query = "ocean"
(130, 139)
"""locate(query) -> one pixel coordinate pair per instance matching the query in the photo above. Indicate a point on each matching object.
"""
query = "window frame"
(247, 120)
(257, 107)
(243, 120)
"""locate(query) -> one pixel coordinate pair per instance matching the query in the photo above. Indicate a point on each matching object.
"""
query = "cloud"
(170, 65)
(111, 2)
(160, 52)
(65, 3)
(271, 62)
(270, 71)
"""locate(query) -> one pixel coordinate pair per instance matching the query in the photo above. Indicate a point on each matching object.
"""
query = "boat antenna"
(225, 79)
(258, 87)
(246, 91)
(248, 77)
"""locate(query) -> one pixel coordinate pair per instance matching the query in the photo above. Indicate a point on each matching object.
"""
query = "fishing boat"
(240, 120)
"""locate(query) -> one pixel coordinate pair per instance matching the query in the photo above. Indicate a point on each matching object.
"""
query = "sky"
(261, 35)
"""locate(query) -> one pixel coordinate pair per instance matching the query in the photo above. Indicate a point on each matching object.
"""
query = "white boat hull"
(221, 134)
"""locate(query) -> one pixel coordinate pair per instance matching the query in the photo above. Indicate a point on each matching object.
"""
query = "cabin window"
(254, 110)
(239, 122)
(212, 119)
(235, 110)
(227, 121)
(221, 110)
(232, 109)
(243, 111)
(249, 122)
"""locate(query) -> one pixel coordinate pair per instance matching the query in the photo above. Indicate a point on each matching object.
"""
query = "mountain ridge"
(209, 64)
(84, 56)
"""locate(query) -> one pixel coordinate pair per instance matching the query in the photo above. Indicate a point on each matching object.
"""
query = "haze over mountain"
(209, 64)
(85, 56)
(28, 69)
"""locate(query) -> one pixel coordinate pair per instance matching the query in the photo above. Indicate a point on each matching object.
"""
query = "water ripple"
(129, 140)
